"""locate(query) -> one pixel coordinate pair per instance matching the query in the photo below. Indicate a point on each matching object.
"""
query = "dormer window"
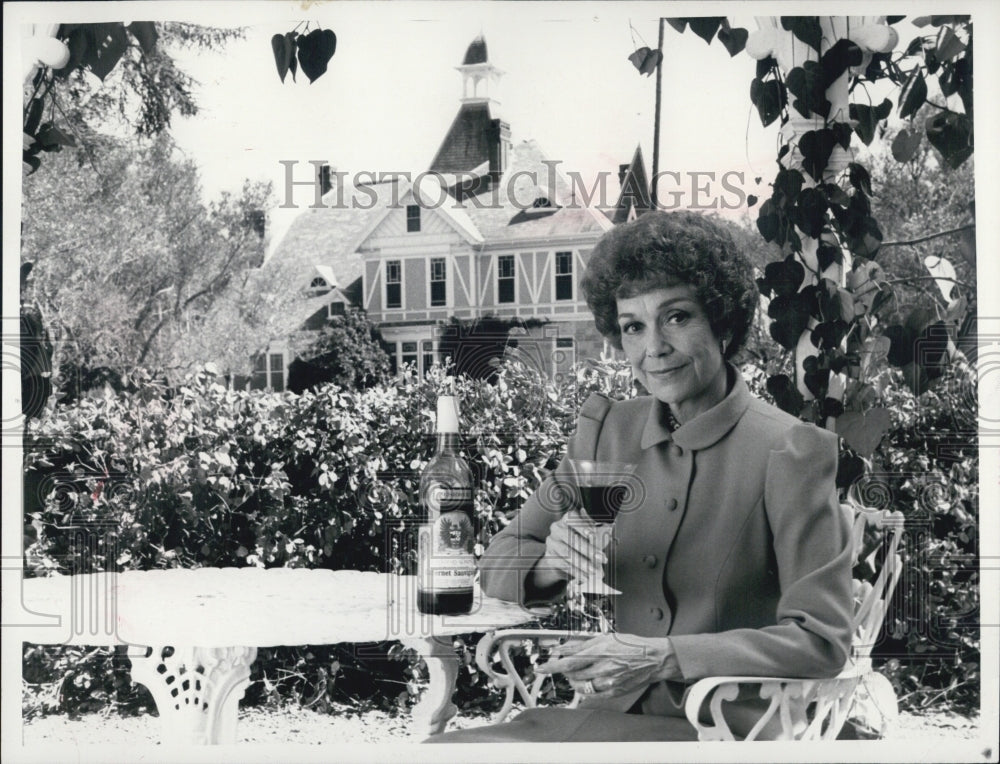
(318, 286)
(541, 201)
(412, 218)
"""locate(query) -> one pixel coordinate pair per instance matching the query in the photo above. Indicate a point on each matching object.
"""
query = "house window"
(563, 358)
(505, 278)
(564, 275)
(439, 282)
(335, 308)
(268, 372)
(427, 347)
(390, 348)
(409, 355)
(412, 218)
(393, 284)
(318, 285)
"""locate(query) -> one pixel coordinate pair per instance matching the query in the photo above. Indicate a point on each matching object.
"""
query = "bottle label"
(444, 549)
(447, 498)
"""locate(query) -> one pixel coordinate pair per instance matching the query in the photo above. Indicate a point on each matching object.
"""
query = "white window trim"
(402, 284)
(447, 282)
(406, 218)
(572, 275)
(496, 281)
(398, 340)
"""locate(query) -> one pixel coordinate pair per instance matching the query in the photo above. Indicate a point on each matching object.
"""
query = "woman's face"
(669, 342)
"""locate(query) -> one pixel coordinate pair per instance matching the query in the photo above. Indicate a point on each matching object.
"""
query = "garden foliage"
(205, 476)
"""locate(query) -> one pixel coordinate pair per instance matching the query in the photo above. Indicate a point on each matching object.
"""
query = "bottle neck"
(448, 443)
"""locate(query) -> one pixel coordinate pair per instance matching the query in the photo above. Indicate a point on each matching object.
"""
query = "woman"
(738, 560)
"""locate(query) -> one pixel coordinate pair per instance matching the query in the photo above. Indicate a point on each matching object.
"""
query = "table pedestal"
(435, 709)
(197, 690)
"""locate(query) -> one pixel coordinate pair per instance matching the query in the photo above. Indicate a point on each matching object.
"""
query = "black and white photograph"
(672, 338)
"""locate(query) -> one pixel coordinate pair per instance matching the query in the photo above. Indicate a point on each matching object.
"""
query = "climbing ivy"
(816, 216)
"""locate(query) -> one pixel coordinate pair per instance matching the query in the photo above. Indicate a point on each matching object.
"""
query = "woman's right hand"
(571, 551)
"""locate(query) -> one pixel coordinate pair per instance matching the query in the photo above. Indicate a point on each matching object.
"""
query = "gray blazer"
(739, 551)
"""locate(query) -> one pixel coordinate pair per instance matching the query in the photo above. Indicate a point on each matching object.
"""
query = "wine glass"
(600, 490)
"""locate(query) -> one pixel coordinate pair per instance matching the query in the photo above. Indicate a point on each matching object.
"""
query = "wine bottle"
(446, 566)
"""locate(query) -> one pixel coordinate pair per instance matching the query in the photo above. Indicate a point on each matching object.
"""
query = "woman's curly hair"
(662, 249)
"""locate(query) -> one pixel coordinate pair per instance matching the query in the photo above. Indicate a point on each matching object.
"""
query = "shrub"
(205, 476)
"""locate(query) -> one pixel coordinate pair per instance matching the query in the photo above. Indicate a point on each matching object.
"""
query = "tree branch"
(910, 279)
(922, 239)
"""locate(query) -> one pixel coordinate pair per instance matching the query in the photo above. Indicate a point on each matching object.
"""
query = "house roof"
(325, 238)
(503, 217)
(635, 190)
(476, 52)
(466, 144)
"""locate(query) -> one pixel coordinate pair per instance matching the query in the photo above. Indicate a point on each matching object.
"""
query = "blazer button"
(649, 560)
(671, 504)
(676, 450)
(657, 613)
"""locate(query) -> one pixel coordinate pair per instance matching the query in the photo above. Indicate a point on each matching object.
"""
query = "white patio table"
(200, 630)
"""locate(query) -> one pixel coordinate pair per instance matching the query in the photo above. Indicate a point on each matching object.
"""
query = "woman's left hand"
(614, 663)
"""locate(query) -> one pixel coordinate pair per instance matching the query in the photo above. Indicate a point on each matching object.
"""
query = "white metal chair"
(805, 709)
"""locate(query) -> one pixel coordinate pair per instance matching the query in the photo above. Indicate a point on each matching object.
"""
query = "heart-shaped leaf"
(860, 178)
(680, 24)
(51, 138)
(284, 54)
(806, 84)
(831, 407)
(810, 212)
(145, 33)
(787, 185)
(914, 95)
(646, 60)
(791, 318)
(806, 28)
(705, 26)
(80, 40)
(828, 335)
(827, 254)
(816, 376)
(735, 40)
(315, 51)
(905, 145)
(950, 45)
(951, 134)
(767, 221)
(835, 194)
(785, 276)
(785, 394)
(110, 44)
(769, 97)
(842, 134)
(864, 431)
(838, 59)
(866, 118)
(816, 147)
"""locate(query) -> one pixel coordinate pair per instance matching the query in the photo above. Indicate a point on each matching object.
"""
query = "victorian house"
(491, 230)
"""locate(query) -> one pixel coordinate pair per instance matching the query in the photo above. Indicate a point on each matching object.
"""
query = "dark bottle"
(446, 566)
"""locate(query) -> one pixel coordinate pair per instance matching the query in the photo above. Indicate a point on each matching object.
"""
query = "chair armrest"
(799, 709)
(509, 680)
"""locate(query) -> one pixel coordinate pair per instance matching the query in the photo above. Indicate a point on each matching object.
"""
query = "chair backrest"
(872, 597)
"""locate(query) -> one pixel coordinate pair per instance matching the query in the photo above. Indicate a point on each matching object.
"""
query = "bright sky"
(392, 90)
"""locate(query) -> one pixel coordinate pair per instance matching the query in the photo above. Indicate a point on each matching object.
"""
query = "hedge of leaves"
(205, 476)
